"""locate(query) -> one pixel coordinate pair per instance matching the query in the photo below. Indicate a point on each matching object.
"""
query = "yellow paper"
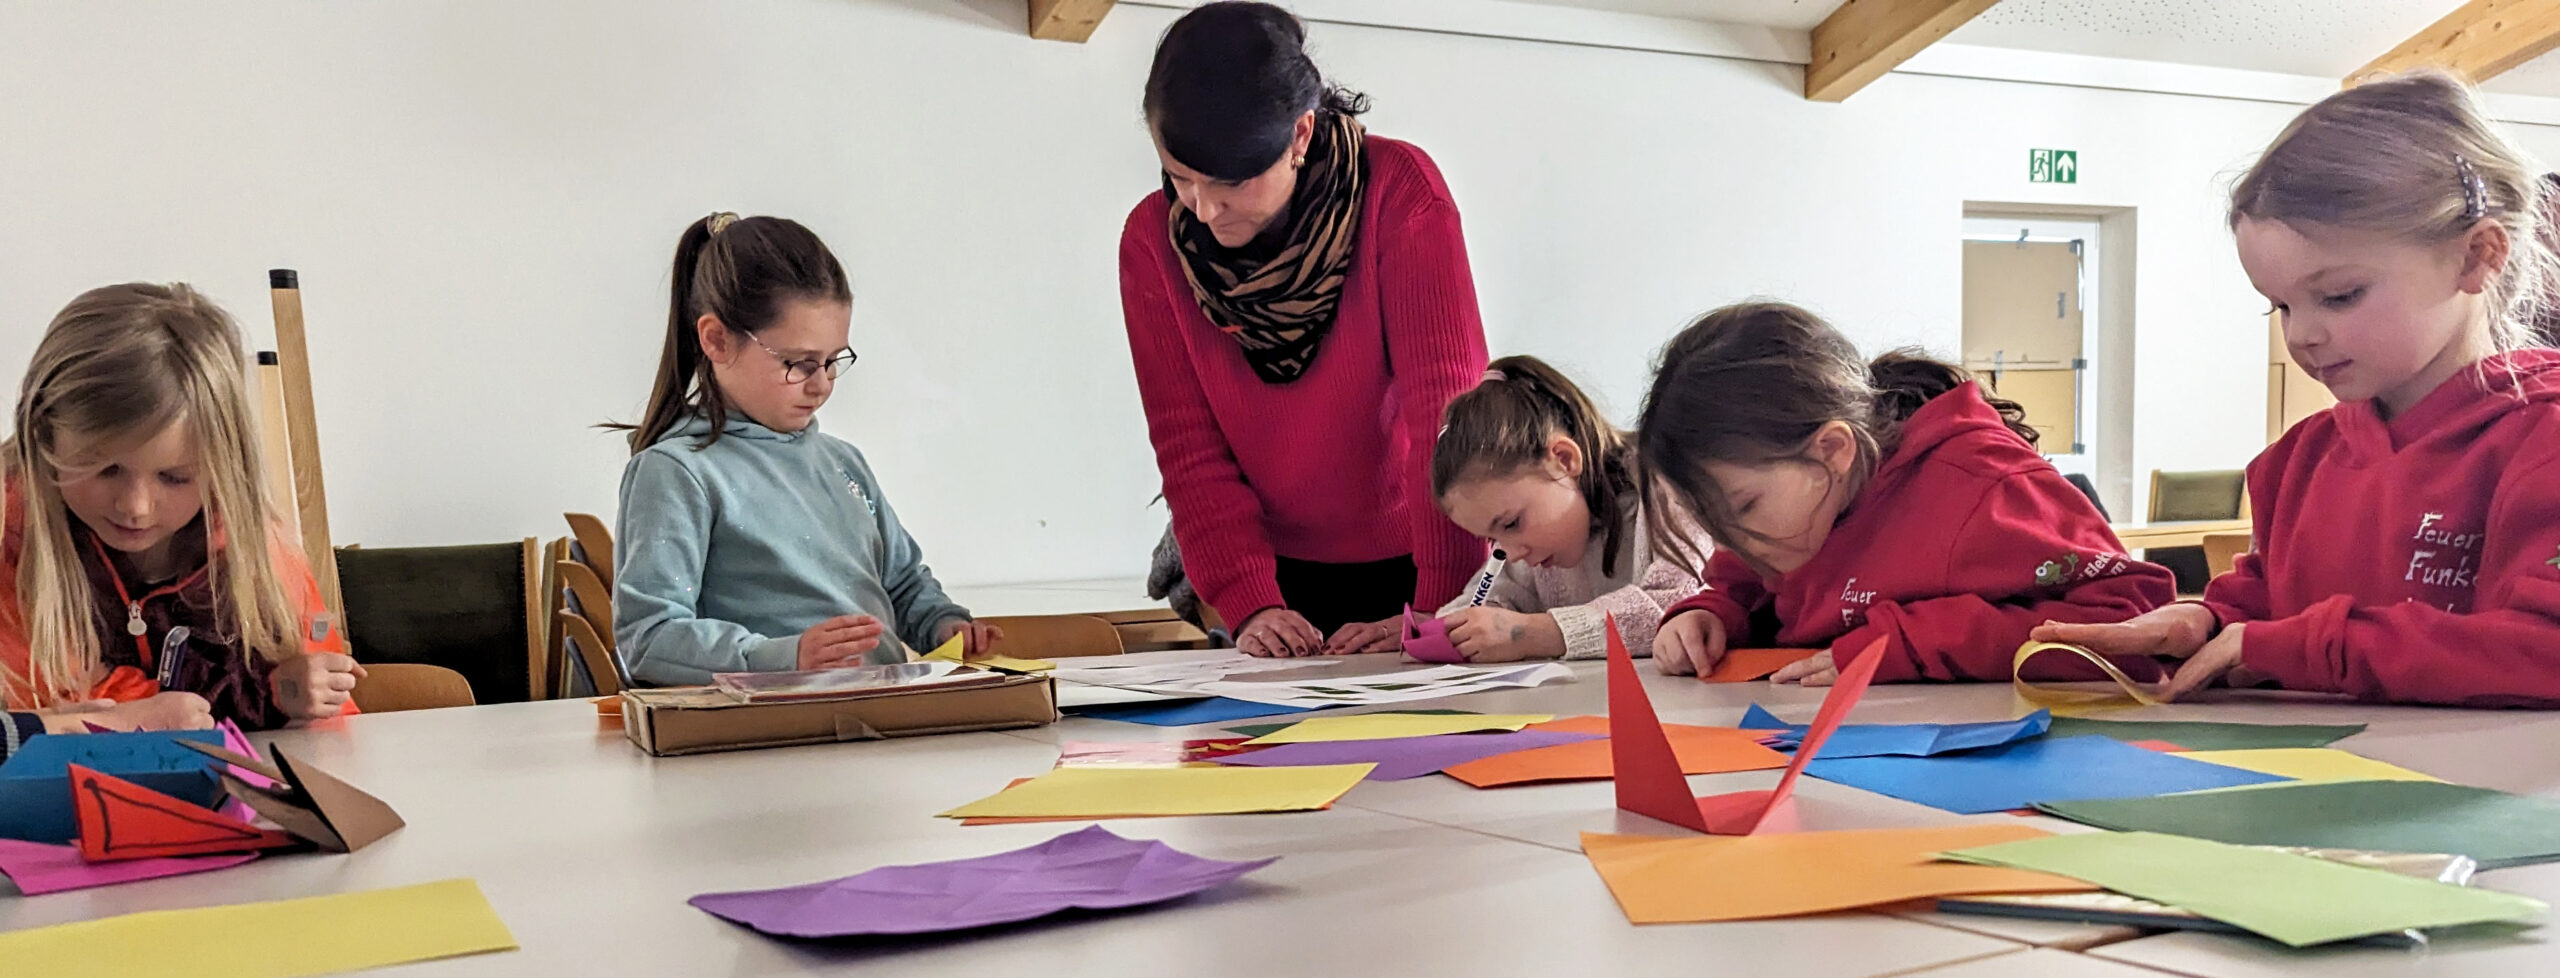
(280, 939)
(1105, 792)
(2076, 702)
(2309, 764)
(1389, 726)
(951, 652)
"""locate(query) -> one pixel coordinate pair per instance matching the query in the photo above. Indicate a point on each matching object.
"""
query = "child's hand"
(2220, 656)
(838, 642)
(166, 711)
(982, 637)
(315, 686)
(1361, 637)
(1503, 635)
(2177, 631)
(1689, 643)
(1815, 671)
(1278, 631)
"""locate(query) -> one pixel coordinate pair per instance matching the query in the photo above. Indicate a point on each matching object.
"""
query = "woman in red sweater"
(1300, 312)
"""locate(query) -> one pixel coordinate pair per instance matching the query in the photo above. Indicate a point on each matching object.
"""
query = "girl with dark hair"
(1851, 499)
(1300, 310)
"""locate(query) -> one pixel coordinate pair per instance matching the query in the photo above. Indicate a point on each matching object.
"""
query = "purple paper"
(38, 868)
(1403, 757)
(1088, 869)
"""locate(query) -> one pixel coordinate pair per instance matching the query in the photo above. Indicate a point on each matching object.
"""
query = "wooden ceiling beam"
(1067, 20)
(1863, 39)
(2478, 40)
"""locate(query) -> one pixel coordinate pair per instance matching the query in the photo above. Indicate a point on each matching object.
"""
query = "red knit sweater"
(1334, 466)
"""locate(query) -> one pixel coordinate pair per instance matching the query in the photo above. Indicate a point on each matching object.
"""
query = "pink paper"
(1427, 639)
(38, 868)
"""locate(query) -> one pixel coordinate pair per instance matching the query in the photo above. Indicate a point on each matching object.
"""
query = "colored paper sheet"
(122, 820)
(1403, 757)
(1700, 750)
(1089, 869)
(1747, 665)
(2309, 764)
(40, 868)
(2070, 701)
(35, 783)
(2195, 735)
(1660, 880)
(1903, 739)
(1388, 726)
(2019, 775)
(1427, 640)
(1215, 709)
(280, 939)
(951, 651)
(1098, 792)
(1160, 753)
(2495, 828)
(1649, 777)
(1017, 782)
(1261, 729)
(2291, 898)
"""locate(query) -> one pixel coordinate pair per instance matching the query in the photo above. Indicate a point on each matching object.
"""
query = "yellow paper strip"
(1104, 792)
(279, 939)
(2309, 764)
(1389, 726)
(951, 652)
(2077, 702)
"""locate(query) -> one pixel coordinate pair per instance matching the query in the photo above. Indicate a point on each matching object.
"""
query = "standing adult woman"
(1300, 310)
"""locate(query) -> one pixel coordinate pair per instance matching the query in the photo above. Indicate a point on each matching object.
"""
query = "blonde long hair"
(117, 366)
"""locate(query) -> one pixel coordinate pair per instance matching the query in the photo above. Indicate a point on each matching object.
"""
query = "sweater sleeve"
(2032, 551)
(663, 535)
(1731, 591)
(913, 591)
(2504, 652)
(16, 729)
(1436, 350)
(2240, 594)
(1217, 520)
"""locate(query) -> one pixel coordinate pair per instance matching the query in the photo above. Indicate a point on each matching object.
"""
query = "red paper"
(122, 820)
(1649, 778)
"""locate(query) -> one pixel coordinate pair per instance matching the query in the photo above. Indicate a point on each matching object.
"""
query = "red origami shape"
(123, 820)
(1649, 778)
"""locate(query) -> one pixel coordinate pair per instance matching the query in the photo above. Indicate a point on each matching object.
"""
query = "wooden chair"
(587, 600)
(1056, 636)
(595, 545)
(595, 652)
(2215, 495)
(473, 609)
(2222, 550)
(389, 687)
(555, 655)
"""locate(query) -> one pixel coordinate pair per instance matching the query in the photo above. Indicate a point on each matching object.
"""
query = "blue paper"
(1215, 709)
(35, 785)
(2019, 775)
(1910, 739)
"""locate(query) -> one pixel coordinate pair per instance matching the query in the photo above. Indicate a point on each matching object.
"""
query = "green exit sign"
(2053, 166)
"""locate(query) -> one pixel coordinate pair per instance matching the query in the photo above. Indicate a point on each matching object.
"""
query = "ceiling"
(2324, 38)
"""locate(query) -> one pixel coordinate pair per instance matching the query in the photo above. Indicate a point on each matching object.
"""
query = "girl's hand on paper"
(1816, 671)
(2177, 631)
(981, 642)
(838, 642)
(165, 711)
(1689, 644)
(1488, 634)
(2217, 658)
(1361, 637)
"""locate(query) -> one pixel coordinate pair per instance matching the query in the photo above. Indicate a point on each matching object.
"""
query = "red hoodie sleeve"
(2504, 652)
(1435, 351)
(1733, 590)
(1217, 520)
(2240, 594)
(2033, 551)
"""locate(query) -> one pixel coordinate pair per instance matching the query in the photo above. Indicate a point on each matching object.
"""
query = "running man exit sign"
(2053, 166)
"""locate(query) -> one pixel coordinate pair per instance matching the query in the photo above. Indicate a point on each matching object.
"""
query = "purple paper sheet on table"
(1404, 757)
(39, 868)
(1088, 869)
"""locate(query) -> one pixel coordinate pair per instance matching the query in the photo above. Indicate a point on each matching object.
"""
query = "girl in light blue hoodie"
(748, 541)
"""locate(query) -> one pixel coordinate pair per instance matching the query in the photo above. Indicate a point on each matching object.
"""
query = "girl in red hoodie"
(1852, 500)
(2408, 540)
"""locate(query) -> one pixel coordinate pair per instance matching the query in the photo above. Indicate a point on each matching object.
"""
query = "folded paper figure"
(308, 802)
(1648, 773)
(122, 820)
(1426, 639)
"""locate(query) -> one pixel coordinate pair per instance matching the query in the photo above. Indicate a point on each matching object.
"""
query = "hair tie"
(1493, 377)
(2475, 192)
(720, 221)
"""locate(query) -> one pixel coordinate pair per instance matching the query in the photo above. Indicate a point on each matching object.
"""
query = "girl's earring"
(1300, 163)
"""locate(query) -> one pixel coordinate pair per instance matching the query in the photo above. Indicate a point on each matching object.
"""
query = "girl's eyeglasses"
(799, 371)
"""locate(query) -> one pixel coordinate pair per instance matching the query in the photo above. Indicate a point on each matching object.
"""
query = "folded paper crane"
(1649, 778)
(308, 802)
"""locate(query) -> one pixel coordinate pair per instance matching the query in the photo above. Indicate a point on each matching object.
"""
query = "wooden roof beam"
(2478, 41)
(1863, 39)
(1067, 20)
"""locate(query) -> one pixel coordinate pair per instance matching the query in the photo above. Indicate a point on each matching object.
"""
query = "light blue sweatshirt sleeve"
(921, 605)
(662, 540)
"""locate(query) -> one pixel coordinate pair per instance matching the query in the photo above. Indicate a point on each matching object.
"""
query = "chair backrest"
(589, 598)
(555, 657)
(604, 668)
(469, 608)
(595, 543)
(389, 687)
(2197, 495)
(1055, 636)
(2222, 550)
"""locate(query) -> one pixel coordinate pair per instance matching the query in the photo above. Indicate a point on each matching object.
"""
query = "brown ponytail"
(1750, 384)
(1503, 425)
(740, 270)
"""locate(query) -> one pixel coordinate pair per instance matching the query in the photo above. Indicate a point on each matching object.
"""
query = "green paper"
(1267, 729)
(2197, 735)
(2298, 900)
(2493, 827)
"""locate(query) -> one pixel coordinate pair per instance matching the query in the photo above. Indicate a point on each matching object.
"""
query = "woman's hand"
(1277, 632)
(1362, 637)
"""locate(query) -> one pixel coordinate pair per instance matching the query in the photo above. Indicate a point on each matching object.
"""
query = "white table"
(588, 849)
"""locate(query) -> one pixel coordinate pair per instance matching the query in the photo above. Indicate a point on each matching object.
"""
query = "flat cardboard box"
(700, 719)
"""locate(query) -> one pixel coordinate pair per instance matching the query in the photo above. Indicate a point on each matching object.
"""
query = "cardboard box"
(700, 719)
(35, 785)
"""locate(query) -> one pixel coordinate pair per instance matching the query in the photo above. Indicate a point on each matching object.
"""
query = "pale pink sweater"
(1582, 599)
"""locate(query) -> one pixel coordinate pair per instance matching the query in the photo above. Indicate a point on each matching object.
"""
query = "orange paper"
(1701, 750)
(123, 820)
(1660, 880)
(1747, 665)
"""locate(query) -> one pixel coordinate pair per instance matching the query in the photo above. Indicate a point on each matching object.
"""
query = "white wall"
(482, 197)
